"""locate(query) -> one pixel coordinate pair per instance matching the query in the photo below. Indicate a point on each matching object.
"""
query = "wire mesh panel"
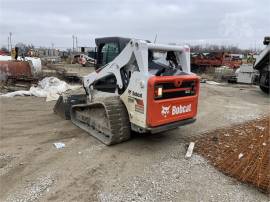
(242, 151)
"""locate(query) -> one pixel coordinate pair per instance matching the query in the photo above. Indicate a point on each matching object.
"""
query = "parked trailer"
(199, 61)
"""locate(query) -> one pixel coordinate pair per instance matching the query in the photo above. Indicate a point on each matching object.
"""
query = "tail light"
(158, 91)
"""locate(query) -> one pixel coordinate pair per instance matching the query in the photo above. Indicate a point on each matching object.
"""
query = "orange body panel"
(178, 108)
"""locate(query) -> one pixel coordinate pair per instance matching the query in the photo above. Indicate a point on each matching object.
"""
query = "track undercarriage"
(105, 117)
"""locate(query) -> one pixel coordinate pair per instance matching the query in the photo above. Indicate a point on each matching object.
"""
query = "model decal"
(139, 106)
(136, 94)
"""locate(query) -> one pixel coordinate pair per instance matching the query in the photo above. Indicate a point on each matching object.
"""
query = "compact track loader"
(137, 86)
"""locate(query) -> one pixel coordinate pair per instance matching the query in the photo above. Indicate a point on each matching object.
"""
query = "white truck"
(262, 64)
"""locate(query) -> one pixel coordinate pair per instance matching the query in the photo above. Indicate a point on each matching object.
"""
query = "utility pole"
(73, 37)
(155, 39)
(76, 43)
(52, 49)
(10, 43)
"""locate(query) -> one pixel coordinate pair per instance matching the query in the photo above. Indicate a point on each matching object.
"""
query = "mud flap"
(65, 102)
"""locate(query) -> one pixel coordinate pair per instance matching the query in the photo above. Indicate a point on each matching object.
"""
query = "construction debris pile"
(242, 152)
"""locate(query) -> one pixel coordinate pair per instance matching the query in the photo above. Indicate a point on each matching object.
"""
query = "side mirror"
(266, 40)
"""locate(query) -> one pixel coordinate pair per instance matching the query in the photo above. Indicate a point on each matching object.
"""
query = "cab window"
(109, 52)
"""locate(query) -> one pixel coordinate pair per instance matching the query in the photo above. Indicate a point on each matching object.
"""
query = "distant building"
(45, 52)
(85, 49)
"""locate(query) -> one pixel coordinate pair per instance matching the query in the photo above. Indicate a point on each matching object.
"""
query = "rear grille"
(173, 90)
(171, 85)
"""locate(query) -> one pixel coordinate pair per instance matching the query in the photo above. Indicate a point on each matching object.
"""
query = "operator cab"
(162, 63)
(159, 63)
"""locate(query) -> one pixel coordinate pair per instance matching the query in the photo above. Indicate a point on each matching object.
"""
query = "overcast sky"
(43, 22)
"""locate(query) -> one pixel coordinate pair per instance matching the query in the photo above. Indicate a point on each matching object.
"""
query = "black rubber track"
(117, 129)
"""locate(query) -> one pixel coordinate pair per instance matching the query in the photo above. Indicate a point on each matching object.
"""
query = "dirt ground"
(69, 69)
(146, 168)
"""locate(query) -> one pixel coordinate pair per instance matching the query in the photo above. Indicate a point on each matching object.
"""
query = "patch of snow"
(212, 83)
(59, 145)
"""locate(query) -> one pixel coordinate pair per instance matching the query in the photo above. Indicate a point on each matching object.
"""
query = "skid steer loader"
(137, 86)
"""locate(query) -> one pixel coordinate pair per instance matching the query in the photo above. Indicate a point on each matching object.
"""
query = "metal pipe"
(153, 46)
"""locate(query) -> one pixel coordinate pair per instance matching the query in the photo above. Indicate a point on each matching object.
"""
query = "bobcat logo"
(165, 111)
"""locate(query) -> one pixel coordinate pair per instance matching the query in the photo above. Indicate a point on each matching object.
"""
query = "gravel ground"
(170, 180)
(32, 190)
(146, 168)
